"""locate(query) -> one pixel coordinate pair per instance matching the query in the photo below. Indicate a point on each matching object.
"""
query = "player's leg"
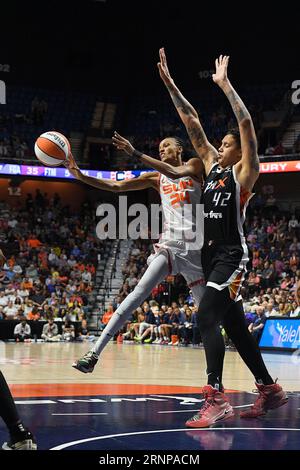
(155, 273)
(271, 394)
(216, 407)
(212, 308)
(20, 437)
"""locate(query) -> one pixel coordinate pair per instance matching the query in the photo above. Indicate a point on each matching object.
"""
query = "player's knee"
(204, 321)
(140, 291)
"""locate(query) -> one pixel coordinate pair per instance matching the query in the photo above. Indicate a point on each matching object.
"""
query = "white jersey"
(182, 237)
(180, 199)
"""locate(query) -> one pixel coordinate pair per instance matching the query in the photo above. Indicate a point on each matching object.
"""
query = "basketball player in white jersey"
(178, 250)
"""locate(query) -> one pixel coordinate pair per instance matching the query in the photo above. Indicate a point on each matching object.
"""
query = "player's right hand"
(70, 163)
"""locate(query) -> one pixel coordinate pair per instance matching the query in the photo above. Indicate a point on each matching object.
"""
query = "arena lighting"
(11, 169)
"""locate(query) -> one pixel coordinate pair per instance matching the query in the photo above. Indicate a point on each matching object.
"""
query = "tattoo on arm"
(194, 130)
(254, 160)
(182, 105)
(239, 109)
(197, 135)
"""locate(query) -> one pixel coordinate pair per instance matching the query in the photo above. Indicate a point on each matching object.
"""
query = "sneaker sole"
(82, 369)
(278, 405)
(25, 445)
(229, 414)
(263, 413)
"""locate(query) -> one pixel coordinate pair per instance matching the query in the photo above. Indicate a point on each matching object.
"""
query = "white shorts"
(181, 261)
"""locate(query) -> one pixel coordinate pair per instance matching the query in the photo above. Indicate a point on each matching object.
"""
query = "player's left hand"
(163, 68)
(122, 144)
(220, 77)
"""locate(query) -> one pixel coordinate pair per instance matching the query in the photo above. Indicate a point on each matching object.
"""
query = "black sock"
(236, 328)
(211, 309)
(17, 431)
(215, 382)
(266, 381)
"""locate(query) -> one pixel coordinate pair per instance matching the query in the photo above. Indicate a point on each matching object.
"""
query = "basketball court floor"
(139, 397)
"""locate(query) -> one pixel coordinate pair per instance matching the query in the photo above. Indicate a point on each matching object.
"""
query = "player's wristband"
(137, 154)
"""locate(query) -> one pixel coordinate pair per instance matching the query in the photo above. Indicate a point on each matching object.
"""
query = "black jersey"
(225, 203)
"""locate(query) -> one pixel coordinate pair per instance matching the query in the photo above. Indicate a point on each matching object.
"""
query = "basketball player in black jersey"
(20, 437)
(231, 173)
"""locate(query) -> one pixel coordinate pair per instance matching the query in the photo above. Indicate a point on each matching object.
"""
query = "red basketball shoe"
(215, 408)
(270, 397)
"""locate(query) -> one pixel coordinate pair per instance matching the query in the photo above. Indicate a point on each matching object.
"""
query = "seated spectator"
(22, 331)
(3, 299)
(286, 283)
(50, 332)
(33, 241)
(106, 316)
(86, 276)
(186, 333)
(10, 311)
(27, 284)
(84, 333)
(34, 314)
(271, 311)
(293, 223)
(295, 245)
(68, 331)
(256, 328)
(295, 312)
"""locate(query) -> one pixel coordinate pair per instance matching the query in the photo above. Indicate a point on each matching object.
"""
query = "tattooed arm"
(248, 167)
(189, 116)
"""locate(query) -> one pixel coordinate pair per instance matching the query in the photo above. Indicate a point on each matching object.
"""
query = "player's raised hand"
(122, 144)
(163, 68)
(220, 77)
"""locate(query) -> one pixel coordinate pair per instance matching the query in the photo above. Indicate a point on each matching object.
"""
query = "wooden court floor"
(139, 397)
(44, 363)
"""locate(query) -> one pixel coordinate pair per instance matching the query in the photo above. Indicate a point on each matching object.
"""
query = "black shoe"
(86, 363)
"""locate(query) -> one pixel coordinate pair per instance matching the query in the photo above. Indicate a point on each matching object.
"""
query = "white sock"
(155, 273)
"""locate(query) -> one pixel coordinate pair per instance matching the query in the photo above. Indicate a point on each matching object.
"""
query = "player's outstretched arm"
(188, 115)
(249, 163)
(194, 166)
(147, 180)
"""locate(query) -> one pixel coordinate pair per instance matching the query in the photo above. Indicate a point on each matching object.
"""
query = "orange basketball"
(52, 148)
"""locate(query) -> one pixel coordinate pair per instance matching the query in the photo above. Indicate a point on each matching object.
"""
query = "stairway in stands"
(290, 135)
(112, 279)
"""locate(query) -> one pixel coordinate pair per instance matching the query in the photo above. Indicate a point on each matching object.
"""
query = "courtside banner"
(281, 333)
(11, 169)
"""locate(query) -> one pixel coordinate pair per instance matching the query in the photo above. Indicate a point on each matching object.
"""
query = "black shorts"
(225, 266)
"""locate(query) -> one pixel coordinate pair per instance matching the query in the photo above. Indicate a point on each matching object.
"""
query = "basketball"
(52, 148)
